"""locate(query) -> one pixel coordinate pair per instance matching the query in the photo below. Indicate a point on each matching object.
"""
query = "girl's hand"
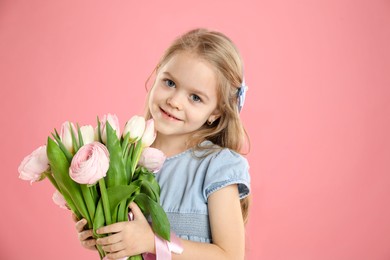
(85, 236)
(127, 238)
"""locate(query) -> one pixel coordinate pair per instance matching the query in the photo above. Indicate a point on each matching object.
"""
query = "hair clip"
(241, 95)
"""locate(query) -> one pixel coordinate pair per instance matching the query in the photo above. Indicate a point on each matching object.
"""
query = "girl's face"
(184, 95)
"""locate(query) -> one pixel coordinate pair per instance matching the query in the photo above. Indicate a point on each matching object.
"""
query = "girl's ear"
(214, 116)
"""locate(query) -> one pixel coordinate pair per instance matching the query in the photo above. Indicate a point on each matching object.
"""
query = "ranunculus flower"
(152, 159)
(149, 134)
(90, 163)
(59, 200)
(136, 127)
(88, 134)
(66, 136)
(114, 123)
(33, 165)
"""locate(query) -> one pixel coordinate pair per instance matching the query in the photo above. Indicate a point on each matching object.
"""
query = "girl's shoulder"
(226, 167)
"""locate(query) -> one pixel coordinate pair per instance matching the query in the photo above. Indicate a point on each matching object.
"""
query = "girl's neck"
(170, 146)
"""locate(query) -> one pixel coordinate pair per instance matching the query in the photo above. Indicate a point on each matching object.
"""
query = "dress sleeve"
(226, 168)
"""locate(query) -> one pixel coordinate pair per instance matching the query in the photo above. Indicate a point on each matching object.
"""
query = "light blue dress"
(187, 180)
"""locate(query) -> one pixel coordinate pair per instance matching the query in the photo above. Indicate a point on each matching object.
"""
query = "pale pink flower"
(90, 163)
(88, 134)
(59, 200)
(152, 159)
(114, 123)
(33, 165)
(136, 127)
(149, 134)
(66, 136)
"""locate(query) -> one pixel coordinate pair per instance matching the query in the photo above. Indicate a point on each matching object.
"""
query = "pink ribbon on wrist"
(164, 249)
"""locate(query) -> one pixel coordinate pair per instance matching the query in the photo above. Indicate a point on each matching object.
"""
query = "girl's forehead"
(186, 61)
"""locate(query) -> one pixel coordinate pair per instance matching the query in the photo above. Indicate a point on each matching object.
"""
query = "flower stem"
(106, 203)
(102, 254)
(89, 201)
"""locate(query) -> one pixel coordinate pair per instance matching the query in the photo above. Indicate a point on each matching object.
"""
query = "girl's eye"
(169, 83)
(195, 98)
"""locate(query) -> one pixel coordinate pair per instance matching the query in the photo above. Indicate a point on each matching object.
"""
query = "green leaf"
(99, 130)
(60, 168)
(116, 174)
(99, 220)
(125, 143)
(105, 201)
(67, 154)
(76, 146)
(128, 161)
(88, 199)
(135, 156)
(81, 141)
(116, 194)
(160, 222)
(149, 177)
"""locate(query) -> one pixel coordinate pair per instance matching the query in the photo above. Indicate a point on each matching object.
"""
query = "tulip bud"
(149, 134)
(88, 134)
(66, 136)
(114, 123)
(135, 127)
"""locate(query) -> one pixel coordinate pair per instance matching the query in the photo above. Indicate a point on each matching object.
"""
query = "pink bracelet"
(165, 248)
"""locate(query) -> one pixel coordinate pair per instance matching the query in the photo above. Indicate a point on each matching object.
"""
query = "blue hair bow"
(241, 95)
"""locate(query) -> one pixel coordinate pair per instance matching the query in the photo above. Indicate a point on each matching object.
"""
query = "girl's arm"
(227, 229)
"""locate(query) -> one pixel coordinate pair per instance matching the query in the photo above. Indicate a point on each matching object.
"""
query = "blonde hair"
(219, 51)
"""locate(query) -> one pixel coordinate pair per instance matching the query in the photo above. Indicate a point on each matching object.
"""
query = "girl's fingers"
(84, 235)
(114, 247)
(118, 255)
(89, 243)
(74, 217)
(115, 238)
(113, 228)
(136, 211)
(80, 225)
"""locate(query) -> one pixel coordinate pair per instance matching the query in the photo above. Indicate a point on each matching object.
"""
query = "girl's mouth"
(167, 115)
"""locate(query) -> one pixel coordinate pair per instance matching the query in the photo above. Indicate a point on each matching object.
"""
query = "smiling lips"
(168, 115)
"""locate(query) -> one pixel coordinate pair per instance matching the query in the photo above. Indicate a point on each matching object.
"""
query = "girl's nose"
(174, 102)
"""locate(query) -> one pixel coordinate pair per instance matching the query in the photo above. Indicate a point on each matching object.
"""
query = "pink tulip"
(66, 136)
(88, 134)
(149, 134)
(135, 127)
(33, 165)
(152, 159)
(90, 163)
(59, 200)
(114, 123)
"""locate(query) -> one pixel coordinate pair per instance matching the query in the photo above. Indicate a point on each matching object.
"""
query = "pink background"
(317, 111)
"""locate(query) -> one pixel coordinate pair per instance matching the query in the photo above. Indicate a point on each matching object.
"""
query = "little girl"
(195, 102)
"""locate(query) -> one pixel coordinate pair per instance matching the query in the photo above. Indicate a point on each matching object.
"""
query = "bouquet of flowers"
(97, 172)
